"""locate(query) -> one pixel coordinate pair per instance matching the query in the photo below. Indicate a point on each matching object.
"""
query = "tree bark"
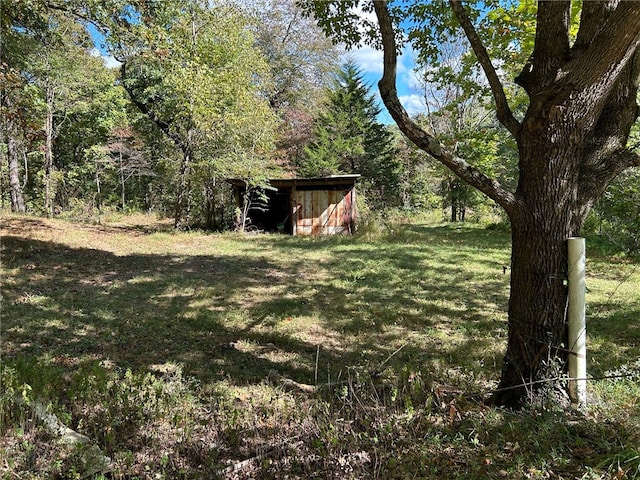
(48, 152)
(17, 200)
(547, 216)
(182, 143)
(182, 188)
(122, 178)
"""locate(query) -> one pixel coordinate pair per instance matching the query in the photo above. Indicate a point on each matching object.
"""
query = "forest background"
(251, 91)
(255, 91)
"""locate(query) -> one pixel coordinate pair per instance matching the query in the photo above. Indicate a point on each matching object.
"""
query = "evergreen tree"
(349, 139)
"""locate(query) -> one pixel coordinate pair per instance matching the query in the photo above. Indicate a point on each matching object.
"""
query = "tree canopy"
(348, 138)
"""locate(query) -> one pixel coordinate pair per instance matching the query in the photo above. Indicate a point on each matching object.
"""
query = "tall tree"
(349, 138)
(301, 60)
(195, 72)
(458, 113)
(11, 109)
(581, 81)
(21, 30)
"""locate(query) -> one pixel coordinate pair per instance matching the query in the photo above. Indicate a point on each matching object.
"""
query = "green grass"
(168, 350)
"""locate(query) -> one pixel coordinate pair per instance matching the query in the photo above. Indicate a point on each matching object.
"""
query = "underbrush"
(392, 424)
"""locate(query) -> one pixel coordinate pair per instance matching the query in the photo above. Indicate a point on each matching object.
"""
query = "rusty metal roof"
(312, 181)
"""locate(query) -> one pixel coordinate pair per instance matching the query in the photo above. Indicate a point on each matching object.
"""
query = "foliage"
(208, 105)
(349, 139)
(571, 124)
(459, 113)
(617, 214)
(299, 56)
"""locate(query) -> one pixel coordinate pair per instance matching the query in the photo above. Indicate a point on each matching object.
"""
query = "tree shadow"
(434, 301)
(80, 305)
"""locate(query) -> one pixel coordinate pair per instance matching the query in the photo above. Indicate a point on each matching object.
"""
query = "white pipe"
(577, 322)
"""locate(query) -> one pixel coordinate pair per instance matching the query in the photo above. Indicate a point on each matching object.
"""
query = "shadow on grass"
(438, 292)
(73, 305)
(429, 298)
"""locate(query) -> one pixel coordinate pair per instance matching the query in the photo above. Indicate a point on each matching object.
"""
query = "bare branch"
(505, 116)
(387, 85)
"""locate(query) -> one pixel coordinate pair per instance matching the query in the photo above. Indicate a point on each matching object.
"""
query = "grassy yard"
(193, 355)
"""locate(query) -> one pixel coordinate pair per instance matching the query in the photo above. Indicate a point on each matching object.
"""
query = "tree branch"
(552, 40)
(387, 85)
(588, 73)
(591, 18)
(607, 153)
(163, 125)
(505, 116)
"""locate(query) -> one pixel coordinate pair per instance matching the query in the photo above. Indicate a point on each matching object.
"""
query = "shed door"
(322, 212)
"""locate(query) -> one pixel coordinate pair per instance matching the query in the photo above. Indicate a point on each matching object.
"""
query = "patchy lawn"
(193, 355)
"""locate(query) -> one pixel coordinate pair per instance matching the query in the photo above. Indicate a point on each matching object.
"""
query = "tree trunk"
(98, 188)
(17, 201)
(537, 308)
(182, 188)
(572, 143)
(122, 183)
(48, 153)
(549, 213)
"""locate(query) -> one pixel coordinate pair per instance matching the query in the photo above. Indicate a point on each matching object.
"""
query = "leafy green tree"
(195, 72)
(618, 212)
(22, 27)
(96, 107)
(67, 102)
(58, 69)
(11, 137)
(418, 182)
(300, 57)
(349, 139)
(458, 105)
(579, 80)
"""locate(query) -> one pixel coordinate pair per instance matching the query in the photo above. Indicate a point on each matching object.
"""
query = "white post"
(577, 322)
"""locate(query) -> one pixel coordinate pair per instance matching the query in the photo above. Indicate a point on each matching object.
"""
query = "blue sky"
(370, 61)
(407, 84)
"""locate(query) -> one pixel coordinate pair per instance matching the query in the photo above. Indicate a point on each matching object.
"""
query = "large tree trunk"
(537, 306)
(548, 214)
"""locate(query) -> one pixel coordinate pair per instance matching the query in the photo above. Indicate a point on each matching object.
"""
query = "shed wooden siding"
(306, 206)
(323, 212)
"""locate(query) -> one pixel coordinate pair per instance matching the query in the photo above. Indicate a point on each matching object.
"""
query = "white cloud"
(109, 60)
(367, 58)
(371, 61)
(412, 103)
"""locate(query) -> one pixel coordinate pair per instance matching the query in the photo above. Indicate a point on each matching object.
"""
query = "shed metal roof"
(312, 181)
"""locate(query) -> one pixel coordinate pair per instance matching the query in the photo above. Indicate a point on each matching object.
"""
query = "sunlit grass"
(129, 328)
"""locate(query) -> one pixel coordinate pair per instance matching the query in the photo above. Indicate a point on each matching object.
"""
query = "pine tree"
(349, 139)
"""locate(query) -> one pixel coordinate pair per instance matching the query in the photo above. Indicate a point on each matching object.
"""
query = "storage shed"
(302, 206)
